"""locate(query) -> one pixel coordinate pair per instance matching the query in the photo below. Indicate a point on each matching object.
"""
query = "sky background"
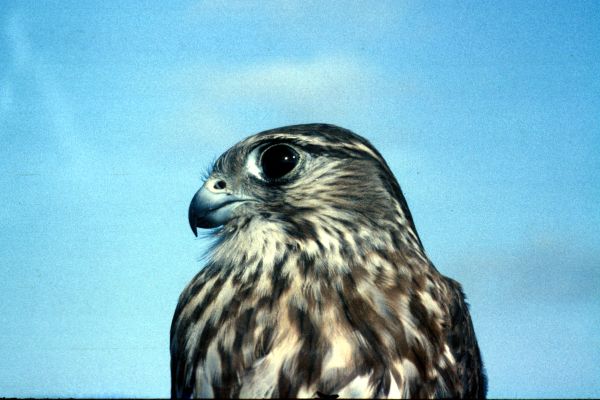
(487, 112)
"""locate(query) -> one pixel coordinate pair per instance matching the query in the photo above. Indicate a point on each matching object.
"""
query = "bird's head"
(301, 178)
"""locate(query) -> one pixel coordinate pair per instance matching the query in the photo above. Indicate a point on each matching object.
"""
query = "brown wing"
(464, 347)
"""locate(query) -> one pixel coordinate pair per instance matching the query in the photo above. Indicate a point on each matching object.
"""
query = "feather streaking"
(318, 284)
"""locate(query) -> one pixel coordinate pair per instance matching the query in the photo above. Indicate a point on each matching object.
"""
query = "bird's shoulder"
(463, 344)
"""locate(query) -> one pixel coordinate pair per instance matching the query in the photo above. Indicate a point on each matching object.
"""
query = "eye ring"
(278, 160)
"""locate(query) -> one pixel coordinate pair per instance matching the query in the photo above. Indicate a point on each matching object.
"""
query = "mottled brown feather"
(321, 287)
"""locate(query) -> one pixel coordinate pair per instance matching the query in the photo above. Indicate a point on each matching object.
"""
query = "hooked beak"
(212, 205)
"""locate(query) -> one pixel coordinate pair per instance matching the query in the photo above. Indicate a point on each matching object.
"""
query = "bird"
(317, 284)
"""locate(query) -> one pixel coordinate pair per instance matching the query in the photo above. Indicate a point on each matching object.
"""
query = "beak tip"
(192, 219)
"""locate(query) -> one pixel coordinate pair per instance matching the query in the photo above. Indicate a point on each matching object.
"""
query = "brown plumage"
(317, 284)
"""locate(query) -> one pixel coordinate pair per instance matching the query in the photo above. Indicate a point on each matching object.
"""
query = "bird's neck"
(325, 296)
(327, 251)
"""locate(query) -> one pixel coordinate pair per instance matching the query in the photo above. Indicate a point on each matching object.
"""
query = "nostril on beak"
(220, 185)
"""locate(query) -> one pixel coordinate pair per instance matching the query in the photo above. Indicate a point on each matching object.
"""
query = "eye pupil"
(278, 160)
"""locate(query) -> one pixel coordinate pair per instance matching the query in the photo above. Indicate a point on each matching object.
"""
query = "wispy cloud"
(224, 103)
(6, 96)
(18, 41)
(326, 82)
(27, 68)
(535, 273)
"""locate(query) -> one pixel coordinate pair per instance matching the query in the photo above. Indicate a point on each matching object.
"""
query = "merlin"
(317, 283)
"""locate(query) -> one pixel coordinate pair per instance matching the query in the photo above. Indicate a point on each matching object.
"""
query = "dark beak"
(212, 206)
(192, 219)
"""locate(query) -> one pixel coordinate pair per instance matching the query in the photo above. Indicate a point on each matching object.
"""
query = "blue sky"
(488, 113)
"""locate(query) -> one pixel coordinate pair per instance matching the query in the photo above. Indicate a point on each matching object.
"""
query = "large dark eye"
(278, 160)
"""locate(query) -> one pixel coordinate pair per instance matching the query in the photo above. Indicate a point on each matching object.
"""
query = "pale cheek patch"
(252, 165)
